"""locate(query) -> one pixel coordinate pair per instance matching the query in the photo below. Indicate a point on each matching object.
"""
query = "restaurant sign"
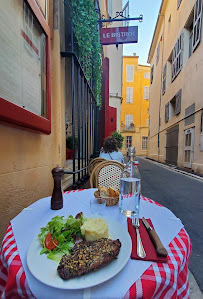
(119, 35)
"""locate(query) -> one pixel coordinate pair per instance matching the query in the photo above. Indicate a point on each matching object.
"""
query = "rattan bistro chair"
(107, 174)
(94, 163)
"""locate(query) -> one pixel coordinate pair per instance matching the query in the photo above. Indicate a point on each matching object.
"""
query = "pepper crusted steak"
(87, 257)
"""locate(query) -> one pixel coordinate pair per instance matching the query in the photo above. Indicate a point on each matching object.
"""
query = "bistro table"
(138, 279)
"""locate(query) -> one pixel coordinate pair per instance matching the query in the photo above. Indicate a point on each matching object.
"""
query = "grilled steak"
(87, 257)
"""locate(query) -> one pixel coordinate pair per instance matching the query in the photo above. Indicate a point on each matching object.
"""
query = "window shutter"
(178, 3)
(167, 112)
(178, 102)
(197, 24)
(128, 121)
(129, 98)
(164, 79)
(177, 56)
(190, 114)
(146, 75)
(146, 92)
(152, 74)
(157, 53)
(130, 73)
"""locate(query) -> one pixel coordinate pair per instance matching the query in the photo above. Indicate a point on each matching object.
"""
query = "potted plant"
(119, 139)
(69, 146)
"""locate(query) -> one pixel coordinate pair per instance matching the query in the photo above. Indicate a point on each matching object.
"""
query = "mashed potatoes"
(95, 229)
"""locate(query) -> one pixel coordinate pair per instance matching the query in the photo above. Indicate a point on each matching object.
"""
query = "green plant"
(119, 139)
(69, 142)
(88, 40)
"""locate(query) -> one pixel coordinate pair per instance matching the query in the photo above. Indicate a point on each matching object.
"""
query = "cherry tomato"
(50, 243)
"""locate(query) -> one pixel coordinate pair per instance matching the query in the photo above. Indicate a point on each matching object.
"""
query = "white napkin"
(26, 226)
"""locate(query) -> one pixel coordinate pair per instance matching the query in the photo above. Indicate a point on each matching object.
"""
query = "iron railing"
(81, 101)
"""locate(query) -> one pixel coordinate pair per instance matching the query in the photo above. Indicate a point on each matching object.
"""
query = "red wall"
(112, 121)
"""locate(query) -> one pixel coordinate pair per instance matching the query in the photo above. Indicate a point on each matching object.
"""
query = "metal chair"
(94, 163)
(107, 174)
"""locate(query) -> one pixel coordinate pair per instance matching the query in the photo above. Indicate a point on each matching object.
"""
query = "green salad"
(58, 236)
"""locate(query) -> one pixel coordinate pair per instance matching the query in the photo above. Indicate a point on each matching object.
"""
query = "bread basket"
(110, 201)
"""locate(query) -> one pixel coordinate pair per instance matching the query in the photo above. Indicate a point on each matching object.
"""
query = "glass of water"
(97, 205)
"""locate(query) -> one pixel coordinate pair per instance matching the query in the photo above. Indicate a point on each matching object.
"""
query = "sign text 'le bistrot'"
(119, 35)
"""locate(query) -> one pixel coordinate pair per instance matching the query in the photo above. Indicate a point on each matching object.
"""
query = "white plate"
(45, 270)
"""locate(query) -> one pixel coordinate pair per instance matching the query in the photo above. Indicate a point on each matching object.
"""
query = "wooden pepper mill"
(57, 196)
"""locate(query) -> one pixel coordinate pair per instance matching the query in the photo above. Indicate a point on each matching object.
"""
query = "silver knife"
(160, 249)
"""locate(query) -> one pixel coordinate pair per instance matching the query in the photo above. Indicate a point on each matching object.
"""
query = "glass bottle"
(130, 188)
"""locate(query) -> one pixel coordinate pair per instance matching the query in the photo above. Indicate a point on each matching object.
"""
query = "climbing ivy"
(88, 40)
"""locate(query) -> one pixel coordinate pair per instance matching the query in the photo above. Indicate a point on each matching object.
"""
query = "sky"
(149, 9)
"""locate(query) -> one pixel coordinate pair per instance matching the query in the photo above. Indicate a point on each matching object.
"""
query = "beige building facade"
(176, 103)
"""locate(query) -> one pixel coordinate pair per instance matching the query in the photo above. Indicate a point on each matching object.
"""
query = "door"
(172, 145)
(188, 148)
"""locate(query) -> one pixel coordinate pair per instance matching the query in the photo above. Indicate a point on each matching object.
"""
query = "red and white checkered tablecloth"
(168, 280)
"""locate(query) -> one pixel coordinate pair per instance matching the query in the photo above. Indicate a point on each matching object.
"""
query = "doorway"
(188, 148)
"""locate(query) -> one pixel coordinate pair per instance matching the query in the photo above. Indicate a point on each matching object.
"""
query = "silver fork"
(140, 249)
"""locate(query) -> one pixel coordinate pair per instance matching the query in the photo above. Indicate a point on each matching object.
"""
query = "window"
(146, 92)
(144, 143)
(197, 24)
(146, 75)
(157, 53)
(164, 79)
(177, 57)
(173, 107)
(128, 122)
(152, 74)
(130, 73)
(128, 141)
(188, 147)
(25, 97)
(129, 95)
(178, 3)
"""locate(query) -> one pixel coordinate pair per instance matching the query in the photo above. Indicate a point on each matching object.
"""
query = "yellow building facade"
(176, 105)
(135, 105)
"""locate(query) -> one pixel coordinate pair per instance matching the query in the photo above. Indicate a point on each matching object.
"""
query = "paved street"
(183, 195)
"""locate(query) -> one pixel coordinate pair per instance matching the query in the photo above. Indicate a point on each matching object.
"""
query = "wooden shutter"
(164, 79)
(178, 3)
(197, 24)
(157, 53)
(167, 112)
(177, 56)
(128, 121)
(146, 92)
(190, 114)
(178, 102)
(129, 98)
(152, 74)
(146, 75)
(130, 73)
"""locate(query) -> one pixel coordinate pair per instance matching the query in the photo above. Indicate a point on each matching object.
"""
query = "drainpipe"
(161, 87)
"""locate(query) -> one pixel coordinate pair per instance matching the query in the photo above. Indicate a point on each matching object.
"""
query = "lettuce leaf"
(63, 231)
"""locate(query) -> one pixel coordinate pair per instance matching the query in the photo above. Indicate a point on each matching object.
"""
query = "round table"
(168, 280)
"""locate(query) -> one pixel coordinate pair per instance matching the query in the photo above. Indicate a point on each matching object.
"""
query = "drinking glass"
(97, 205)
